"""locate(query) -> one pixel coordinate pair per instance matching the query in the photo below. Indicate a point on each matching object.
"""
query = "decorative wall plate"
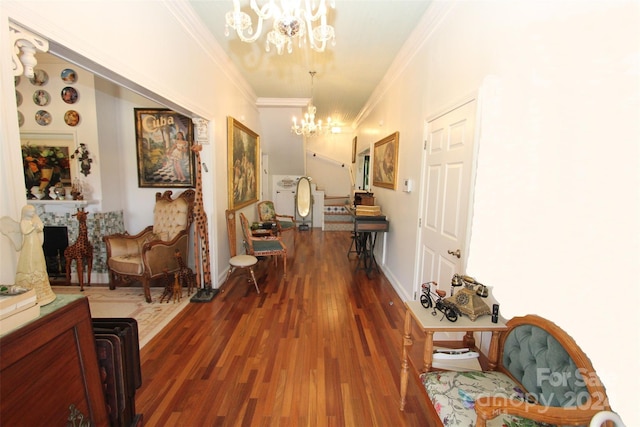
(72, 118)
(69, 95)
(41, 97)
(69, 76)
(43, 117)
(16, 80)
(40, 77)
(18, 98)
(20, 119)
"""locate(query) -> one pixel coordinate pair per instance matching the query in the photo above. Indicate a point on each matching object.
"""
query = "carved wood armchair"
(263, 246)
(267, 213)
(150, 253)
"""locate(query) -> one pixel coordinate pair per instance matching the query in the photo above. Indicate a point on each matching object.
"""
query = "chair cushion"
(170, 218)
(542, 365)
(453, 395)
(126, 264)
(267, 212)
(286, 225)
(266, 245)
(243, 261)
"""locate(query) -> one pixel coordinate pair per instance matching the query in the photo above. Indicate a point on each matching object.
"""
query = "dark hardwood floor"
(320, 348)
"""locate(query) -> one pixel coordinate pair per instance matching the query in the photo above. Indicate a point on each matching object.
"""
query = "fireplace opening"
(56, 241)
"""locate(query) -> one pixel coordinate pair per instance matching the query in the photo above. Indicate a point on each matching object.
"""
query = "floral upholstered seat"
(267, 213)
(453, 395)
(542, 379)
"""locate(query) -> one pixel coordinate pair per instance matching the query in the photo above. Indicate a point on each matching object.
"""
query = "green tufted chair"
(543, 379)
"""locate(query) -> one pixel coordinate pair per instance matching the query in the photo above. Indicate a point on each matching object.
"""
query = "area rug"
(129, 302)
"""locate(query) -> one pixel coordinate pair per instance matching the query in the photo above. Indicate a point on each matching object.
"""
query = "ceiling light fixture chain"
(308, 126)
(290, 20)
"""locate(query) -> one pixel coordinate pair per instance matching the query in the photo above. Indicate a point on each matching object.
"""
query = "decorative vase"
(45, 181)
(59, 191)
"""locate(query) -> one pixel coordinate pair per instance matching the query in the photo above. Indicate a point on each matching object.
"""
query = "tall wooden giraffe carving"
(80, 251)
(201, 232)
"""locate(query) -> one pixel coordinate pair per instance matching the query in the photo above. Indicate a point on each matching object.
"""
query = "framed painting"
(46, 160)
(354, 148)
(163, 145)
(243, 154)
(385, 161)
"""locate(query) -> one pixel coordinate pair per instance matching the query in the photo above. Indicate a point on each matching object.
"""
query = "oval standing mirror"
(303, 197)
(303, 201)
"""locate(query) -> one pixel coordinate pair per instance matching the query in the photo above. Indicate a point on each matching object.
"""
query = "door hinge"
(425, 145)
(419, 222)
(415, 295)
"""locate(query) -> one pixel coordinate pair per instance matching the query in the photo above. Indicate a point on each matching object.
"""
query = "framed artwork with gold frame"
(385, 161)
(243, 158)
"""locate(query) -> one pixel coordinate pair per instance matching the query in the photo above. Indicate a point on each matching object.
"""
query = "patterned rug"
(129, 302)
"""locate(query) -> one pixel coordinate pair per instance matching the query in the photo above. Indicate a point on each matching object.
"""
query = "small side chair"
(263, 246)
(238, 261)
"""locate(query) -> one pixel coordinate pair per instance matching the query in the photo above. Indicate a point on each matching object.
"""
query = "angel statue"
(27, 237)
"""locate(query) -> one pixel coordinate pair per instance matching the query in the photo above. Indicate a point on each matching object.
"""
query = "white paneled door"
(447, 190)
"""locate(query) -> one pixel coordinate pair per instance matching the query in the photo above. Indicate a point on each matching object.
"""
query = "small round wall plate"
(18, 98)
(41, 97)
(43, 117)
(40, 77)
(69, 76)
(69, 95)
(20, 119)
(72, 118)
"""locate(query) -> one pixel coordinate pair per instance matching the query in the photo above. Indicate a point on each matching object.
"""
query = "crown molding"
(282, 102)
(191, 23)
(425, 29)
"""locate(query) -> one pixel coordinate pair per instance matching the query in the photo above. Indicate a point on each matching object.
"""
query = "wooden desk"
(366, 230)
(430, 324)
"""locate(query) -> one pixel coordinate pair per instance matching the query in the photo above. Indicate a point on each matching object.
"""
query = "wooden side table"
(430, 324)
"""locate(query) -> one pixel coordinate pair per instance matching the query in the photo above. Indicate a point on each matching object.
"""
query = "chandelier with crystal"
(291, 19)
(308, 126)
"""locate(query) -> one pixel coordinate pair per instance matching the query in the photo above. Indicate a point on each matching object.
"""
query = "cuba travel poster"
(163, 141)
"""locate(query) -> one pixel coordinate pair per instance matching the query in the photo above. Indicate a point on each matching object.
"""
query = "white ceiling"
(369, 34)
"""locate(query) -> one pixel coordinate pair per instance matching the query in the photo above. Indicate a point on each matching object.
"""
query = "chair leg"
(253, 277)
(231, 268)
(284, 259)
(147, 288)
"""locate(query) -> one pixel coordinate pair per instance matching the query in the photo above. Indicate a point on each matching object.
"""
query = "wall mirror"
(304, 202)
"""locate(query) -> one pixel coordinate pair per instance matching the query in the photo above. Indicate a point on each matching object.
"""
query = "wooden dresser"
(49, 369)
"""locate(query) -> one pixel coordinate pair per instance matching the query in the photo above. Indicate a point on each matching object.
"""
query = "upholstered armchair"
(267, 213)
(150, 253)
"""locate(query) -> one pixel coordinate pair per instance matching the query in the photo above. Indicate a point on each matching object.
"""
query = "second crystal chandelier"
(308, 126)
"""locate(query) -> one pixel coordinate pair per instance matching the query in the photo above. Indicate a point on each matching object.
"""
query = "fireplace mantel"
(73, 203)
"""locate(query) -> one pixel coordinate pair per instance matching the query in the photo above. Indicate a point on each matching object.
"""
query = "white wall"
(184, 68)
(555, 226)
(328, 162)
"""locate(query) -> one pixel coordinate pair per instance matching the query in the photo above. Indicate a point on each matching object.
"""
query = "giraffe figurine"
(201, 233)
(81, 250)
(185, 274)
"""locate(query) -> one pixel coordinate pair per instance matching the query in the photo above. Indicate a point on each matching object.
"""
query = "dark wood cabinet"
(49, 369)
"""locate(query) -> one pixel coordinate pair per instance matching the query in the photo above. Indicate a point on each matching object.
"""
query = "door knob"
(455, 253)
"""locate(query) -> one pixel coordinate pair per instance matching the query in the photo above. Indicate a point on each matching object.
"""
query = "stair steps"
(336, 216)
